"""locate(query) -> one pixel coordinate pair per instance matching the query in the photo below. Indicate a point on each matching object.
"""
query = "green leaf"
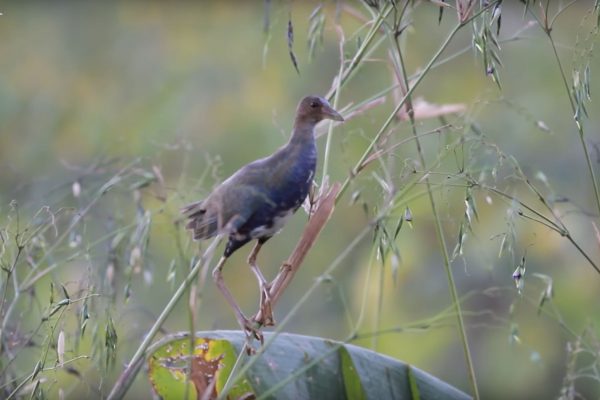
(169, 367)
(412, 382)
(352, 385)
(292, 366)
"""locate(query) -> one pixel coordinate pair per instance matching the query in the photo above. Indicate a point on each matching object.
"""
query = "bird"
(255, 202)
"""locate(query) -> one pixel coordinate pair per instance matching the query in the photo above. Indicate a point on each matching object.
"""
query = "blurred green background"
(197, 89)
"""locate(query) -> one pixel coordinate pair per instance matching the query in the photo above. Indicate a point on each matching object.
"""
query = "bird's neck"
(303, 132)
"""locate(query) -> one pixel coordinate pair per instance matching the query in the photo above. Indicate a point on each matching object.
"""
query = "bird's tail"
(203, 224)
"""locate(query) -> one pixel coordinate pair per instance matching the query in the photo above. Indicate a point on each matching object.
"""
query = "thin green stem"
(336, 97)
(128, 375)
(541, 219)
(240, 369)
(365, 295)
(392, 116)
(590, 166)
(9, 274)
(561, 230)
(582, 252)
(78, 218)
(360, 53)
(586, 151)
(439, 231)
(39, 366)
(345, 74)
(379, 307)
(387, 123)
(548, 222)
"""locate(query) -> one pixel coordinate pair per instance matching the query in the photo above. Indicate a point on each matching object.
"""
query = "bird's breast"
(294, 190)
(287, 178)
(275, 225)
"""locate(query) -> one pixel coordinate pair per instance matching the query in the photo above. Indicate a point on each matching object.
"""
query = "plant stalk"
(128, 375)
(439, 231)
(586, 151)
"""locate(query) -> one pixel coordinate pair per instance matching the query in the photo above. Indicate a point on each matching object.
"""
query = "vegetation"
(465, 238)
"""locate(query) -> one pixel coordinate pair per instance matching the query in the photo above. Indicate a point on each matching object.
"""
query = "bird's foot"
(250, 330)
(265, 315)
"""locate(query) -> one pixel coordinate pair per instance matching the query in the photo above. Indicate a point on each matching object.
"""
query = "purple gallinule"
(255, 201)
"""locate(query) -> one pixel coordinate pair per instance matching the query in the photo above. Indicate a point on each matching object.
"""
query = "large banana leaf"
(291, 367)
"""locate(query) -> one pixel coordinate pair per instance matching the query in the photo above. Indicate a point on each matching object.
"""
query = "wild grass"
(69, 268)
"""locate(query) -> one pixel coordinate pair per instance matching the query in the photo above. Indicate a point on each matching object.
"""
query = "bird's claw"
(265, 307)
(265, 316)
(252, 332)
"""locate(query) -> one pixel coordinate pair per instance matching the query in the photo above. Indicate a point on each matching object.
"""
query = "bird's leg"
(265, 295)
(246, 325)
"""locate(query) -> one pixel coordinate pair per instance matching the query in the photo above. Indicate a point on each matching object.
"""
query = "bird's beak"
(330, 113)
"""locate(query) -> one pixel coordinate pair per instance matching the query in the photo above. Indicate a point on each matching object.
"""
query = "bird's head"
(313, 109)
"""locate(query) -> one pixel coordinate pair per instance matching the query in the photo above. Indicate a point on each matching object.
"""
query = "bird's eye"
(314, 104)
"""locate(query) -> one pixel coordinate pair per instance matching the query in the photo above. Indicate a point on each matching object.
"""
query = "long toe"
(252, 332)
(265, 307)
(265, 289)
(268, 320)
(265, 315)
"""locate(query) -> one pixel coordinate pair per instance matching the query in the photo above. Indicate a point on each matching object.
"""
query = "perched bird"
(255, 201)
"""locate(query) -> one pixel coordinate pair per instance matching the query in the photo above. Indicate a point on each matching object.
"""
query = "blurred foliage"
(115, 114)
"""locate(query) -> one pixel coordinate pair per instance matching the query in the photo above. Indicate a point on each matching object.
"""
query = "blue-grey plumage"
(252, 203)
(255, 201)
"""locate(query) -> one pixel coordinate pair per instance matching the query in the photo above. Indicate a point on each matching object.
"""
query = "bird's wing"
(240, 202)
(264, 172)
(237, 198)
(225, 210)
